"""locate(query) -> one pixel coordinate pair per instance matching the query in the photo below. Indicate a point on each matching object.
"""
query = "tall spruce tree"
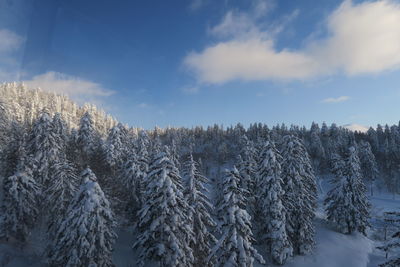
(44, 148)
(369, 167)
(272, 213)
(143, 161)
(235, 246)
(300, 194)
(61, 131)
(337, 164)
(346, 203)
(19, 207)
(87, 142)
(164, 224)
(130, 178)
(315, 148)
(86, 236)
(247, 167)
(11, 152)
(115, 147)
(195, 194)
(175, 154)
(59, 194)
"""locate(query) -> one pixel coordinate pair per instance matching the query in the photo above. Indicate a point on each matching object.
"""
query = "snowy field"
(338, 250)
(333, 249)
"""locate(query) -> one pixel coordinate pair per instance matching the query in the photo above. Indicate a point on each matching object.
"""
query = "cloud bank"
(362, 38)
(77, 88)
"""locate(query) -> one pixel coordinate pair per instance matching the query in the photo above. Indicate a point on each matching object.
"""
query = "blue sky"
(200, 62)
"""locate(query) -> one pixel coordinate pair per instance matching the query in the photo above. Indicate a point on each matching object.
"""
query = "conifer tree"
(72, 150)
(143, 161)
(300, 194)
(175, 154)
(45, 150)
(369, 167)
(5, 122)
(11, 152)
(317, 152)
(60, 131)
(19, 208)
(115, 147)
(86, 140)
(271, 210)
(235, 246)
(86, 236)
(347, 204)
(130, 177)
(337, 164)
(247, 167)
(59, 194)
(195, 194)
(164, 223)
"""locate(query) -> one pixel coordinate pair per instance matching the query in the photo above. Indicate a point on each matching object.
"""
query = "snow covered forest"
(73, 177)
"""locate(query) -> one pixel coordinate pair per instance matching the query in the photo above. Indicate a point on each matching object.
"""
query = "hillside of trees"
(215, 196)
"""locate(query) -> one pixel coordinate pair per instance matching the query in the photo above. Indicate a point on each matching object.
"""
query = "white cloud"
(365, 38)
(9, 41)
(253, 59)
(335, 100)
(75, 87)
(362, 38)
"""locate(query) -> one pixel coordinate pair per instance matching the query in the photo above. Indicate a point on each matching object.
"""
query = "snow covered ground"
(336, 250)
(333, 249)
(339, 250)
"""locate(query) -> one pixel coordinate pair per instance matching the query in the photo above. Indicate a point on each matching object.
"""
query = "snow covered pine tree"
(86, 236)
(270, 196)
(19, 209)
(44, 148)
(87, 138)
(195, 194)
(59, 194)
(346, 203)
(164, 223)
(234, 247)
(300, 194)
(368, 164)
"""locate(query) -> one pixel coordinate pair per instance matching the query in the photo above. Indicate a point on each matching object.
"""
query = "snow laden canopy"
(86, 236)
(24, 105)
(300, 194)
(271, 212)
(164, 224)
(195, 194)
(235, 246)
(20, 206)
(347, 204)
